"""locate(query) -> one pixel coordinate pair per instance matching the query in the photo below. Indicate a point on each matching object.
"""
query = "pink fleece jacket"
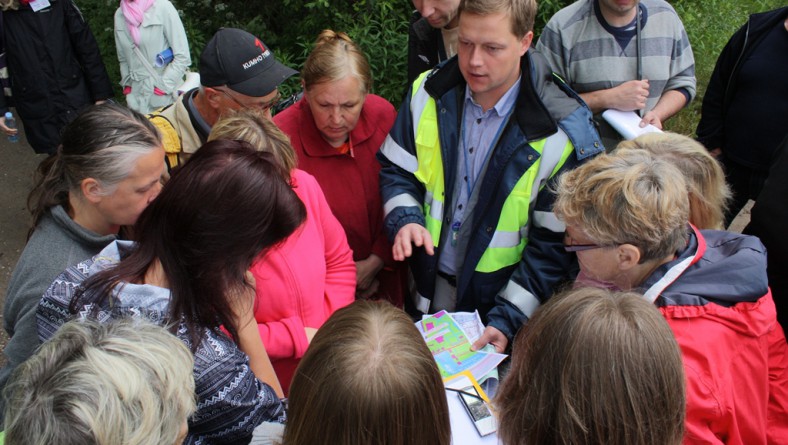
(303, 281)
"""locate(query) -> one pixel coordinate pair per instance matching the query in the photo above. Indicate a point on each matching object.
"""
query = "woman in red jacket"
(336, 130)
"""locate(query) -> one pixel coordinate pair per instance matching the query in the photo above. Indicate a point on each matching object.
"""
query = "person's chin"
(437, 23)
(335, 135)
(336, 132)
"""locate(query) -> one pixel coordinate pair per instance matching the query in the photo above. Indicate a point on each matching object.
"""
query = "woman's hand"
(366, 271)
(4, 127)
(369, 292)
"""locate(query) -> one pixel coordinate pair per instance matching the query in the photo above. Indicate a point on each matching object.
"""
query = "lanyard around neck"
(470, 182)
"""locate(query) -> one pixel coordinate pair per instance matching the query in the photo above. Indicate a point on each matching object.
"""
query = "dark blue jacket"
(544, 105)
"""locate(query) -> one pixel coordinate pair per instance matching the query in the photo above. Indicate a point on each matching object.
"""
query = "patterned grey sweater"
(231, 402)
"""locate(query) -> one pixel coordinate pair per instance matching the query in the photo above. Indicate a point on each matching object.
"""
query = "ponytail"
(50, 190)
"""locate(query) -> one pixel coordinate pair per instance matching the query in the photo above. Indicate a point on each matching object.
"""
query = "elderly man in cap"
(237, 70)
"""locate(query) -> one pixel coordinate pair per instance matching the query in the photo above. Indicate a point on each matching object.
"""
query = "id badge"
(455, 233)
(38, 5)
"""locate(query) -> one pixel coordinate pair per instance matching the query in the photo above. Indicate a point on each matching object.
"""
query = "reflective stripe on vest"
(428, 152)
(511, 235)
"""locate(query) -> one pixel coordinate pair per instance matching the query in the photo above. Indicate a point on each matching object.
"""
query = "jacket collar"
(530, 112)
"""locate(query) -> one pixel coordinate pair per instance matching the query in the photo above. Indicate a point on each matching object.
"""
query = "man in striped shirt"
(630, 55)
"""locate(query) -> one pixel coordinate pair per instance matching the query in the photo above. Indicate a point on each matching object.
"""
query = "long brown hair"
(594, 367)
(367, 378)
(213, 218)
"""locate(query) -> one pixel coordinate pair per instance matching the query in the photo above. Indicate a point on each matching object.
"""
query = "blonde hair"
(594, 367)
(631, 197)
(521, 12)
(124, 382)
(335, 57)
(251, 125)
(709, 194)
(367, 378)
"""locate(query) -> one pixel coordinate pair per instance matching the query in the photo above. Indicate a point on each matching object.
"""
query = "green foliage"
(100, 16)
(546, 10)
(380, 29)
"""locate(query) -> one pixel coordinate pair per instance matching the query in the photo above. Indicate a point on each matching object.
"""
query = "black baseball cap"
(235, 58)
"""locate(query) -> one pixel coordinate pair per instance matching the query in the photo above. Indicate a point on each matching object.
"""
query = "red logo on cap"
(260, 44)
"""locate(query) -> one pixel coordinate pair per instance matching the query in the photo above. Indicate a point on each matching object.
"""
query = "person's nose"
(336, 116)
(154, 192)
(475, 57)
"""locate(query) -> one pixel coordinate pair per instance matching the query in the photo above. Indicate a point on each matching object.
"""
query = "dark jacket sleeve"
(711, 131)
(87, 52)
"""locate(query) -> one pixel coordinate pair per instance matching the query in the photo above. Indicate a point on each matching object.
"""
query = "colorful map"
(451, 347)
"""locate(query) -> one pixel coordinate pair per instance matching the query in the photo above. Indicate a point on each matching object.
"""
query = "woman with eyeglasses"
(336, 129)
(627, 217)
(103, 175)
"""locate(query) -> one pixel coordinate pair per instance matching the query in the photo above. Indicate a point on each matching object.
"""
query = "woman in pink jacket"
(300, 283)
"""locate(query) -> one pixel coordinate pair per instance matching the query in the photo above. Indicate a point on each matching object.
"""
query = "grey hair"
(125, 382)
(104, 143)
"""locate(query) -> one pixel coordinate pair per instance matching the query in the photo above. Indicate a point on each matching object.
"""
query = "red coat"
(351, 183)
(734, 351)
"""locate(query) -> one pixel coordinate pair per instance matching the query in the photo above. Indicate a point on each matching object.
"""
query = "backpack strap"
(170, 138)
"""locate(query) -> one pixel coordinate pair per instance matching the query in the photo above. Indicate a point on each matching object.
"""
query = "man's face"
(233, 100)
(489, 55)
(618, 8)
(439, 13)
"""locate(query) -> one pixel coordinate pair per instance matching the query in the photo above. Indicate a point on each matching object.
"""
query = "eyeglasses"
(581, 247)
(569, 247)
(265, 106)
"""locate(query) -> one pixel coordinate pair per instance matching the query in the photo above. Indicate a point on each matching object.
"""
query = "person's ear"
(628, 256)
(91, 190)
(213, 97)
(303, 88)
(525, 42)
